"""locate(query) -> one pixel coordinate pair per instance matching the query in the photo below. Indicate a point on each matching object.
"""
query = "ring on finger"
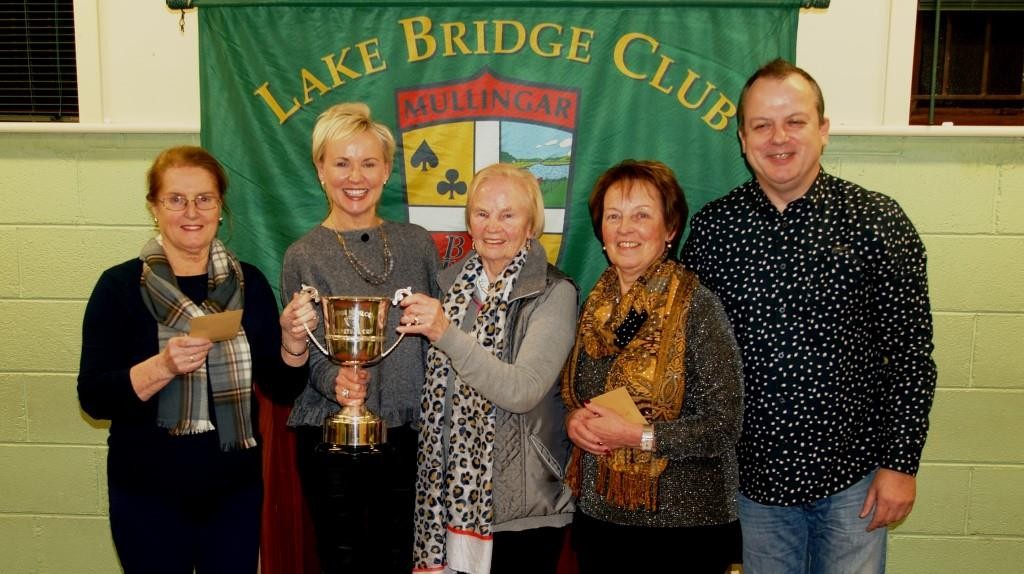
(344, 393)
(192, 359)
(416, 320)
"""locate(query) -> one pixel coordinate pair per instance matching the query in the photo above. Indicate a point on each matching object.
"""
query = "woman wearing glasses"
(183, 466)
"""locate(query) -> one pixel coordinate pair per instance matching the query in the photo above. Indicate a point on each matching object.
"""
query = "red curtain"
(287, 543)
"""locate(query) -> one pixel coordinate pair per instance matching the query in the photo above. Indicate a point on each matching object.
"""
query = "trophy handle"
(316, 299)
(386, 353)
(395, 300)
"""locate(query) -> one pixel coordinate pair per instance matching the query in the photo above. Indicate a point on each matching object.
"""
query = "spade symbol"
(452, 185)
(424, 158)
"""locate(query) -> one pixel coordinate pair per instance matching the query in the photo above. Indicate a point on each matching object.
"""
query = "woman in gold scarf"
(658, 486)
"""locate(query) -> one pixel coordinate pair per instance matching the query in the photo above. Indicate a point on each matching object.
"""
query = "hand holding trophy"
(354, 333)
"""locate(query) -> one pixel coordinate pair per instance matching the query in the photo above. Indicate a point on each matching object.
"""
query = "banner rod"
(186, 4)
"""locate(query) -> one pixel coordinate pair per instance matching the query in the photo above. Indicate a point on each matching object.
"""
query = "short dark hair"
(184, 156)
(659, 176)
(780, 69)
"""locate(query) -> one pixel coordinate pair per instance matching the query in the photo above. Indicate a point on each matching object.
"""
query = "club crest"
(450, 130)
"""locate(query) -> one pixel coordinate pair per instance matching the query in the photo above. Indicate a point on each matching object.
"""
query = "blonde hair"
(527, 182)
(342, 121)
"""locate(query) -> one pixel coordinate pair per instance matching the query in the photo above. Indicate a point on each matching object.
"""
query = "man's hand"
(891, 496)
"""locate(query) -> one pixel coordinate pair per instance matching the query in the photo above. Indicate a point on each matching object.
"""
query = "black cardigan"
(118, 332)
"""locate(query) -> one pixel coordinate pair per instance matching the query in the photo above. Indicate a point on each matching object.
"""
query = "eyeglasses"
(203, 201)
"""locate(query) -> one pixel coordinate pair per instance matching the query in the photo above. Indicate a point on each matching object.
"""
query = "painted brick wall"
(73, 205)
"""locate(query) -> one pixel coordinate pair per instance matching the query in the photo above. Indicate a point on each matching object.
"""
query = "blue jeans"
(822, 537)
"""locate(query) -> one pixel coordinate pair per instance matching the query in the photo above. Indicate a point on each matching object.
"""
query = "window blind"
(38, 78)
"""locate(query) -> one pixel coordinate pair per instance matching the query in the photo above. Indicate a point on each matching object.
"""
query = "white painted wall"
(861, 53)
(137, 70)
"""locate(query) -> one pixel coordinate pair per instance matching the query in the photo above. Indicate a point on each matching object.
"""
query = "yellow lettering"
(339, 67)
(687, 84)
(716, 116)
(577, 43)
(413, 38)
(619, 55)
(454, 32)
(481, 36)
(720, 113)
(310, 83)
(663, 67)
(269, 99)
(499, 36)
(556, 47)
(371, 56)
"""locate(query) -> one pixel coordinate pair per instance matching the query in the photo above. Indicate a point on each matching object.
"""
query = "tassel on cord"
(630, 490)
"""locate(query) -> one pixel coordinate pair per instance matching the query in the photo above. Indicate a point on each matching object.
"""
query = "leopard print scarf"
(454, 488)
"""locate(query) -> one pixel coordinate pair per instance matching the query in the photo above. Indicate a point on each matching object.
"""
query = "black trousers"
(606, 547)
(361, 503)
(536, 551)
(172, 531)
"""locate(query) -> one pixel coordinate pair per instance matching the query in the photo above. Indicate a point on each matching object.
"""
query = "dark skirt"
(606, 547)
(362, 504)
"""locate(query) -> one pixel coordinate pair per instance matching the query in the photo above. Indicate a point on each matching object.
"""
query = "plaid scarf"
(183, 406)
(454, 488)
(645, 331)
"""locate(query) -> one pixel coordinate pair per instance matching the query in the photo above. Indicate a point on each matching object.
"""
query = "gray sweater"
(317, 259)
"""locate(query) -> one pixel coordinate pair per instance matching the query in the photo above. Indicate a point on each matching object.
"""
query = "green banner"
(564, 89)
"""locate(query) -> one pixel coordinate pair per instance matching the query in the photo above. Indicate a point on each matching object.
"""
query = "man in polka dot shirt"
(826, 288)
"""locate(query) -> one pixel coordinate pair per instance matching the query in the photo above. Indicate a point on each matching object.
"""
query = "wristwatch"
(647, 438)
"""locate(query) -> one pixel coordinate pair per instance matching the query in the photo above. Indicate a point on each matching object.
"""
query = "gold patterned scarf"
(649, 362)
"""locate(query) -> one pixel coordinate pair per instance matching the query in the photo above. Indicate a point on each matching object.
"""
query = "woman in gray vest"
(492, 446)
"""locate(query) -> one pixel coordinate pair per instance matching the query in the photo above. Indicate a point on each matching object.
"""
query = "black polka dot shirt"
(829, 303)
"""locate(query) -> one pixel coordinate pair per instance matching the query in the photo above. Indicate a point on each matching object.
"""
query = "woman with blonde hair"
(490, 496)
(355, 252)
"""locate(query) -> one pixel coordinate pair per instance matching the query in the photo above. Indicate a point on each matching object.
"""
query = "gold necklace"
(367, 275)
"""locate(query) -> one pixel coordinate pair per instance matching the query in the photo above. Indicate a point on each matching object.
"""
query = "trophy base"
(353, 429)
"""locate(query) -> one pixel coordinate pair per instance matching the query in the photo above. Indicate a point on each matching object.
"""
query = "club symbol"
(424, 158)
(451, 185)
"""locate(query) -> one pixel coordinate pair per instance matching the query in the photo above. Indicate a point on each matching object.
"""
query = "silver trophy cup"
(355, 336)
